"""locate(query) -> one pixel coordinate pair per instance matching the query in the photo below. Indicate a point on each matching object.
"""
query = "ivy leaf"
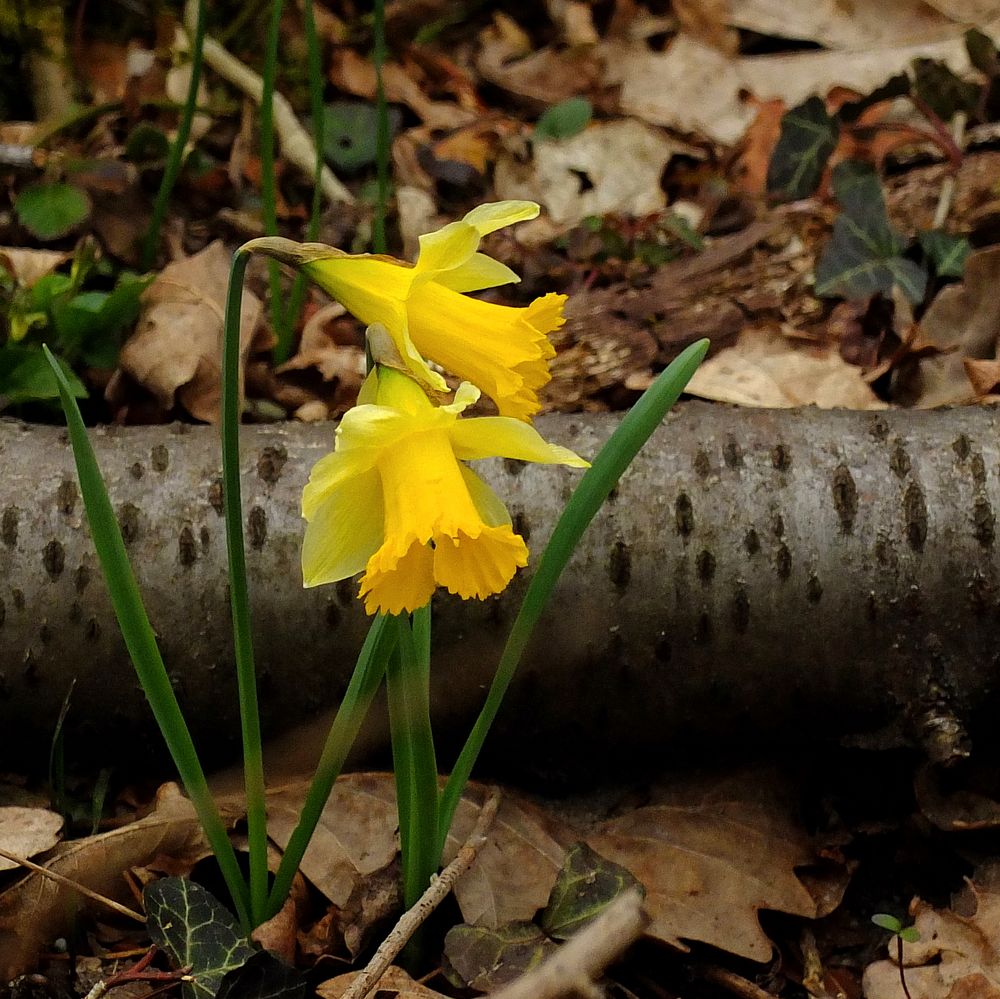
(197, 931)
(942, 90)
(263, 976)
(25, 376)
(565, 119)
(945, 251)
(584, 888)
(483, 959)
(864, 254)
(982, 52)
(808, 136)
(50, 211)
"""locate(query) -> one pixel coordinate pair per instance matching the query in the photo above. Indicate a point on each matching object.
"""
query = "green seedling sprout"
(908, 933)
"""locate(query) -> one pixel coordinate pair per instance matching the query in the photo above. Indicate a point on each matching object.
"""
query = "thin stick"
(575, 966)
(426, 904)
(948, 184)
(297, 146)
(75, 885)
(737, 984)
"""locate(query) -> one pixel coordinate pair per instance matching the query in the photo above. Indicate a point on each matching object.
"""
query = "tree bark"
(780, 574)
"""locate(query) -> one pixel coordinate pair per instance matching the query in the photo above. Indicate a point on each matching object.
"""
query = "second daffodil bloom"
(502, 350)
(395, 500)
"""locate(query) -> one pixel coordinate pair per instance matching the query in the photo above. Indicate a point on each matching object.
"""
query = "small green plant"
(564, 120)
(909, 934)
(83, 323)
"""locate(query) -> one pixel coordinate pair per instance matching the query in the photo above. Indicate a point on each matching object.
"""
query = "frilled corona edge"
(787, 573)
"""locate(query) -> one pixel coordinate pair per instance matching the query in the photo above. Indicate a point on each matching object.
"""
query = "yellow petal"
(501, 437)
(501, 349)
(344, 531)
(331, 471)
(489, 506)
(477, 273)
(394, 583)
(480, 566)
(497, 214)
(448, 247)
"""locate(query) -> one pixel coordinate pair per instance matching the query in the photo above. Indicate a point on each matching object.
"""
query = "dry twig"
(61, 879)
(574, 967)
(426, 904)
(296, 144)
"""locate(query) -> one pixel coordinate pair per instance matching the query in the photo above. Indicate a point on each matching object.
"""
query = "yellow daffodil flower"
(502, 350)
(395, 500)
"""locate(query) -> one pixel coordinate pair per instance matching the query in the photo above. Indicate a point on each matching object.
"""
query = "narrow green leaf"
(585, 886)
(808, 137)
(591, 492)
(51, 211)
(141, 642)
(197, 931)
(565, 119)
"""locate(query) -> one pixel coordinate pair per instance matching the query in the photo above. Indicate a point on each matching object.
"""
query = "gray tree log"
(779, 575)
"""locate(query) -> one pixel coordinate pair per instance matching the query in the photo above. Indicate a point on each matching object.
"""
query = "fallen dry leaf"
(695, 88)
(581, 176)
(515, 870)
(710, 855)
(36, 910)
(767, 370)
(963, 321)
(26, 832)
(176, 349)
(395, 982)
(957, 955)
(27, 266)
(861, 24)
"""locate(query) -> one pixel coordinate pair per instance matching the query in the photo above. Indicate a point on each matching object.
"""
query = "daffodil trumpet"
(396, 501)
(502, 350)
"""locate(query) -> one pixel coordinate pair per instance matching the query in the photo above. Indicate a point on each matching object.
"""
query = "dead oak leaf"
(394, 984)
(963, 322)
(176, 350)
(711, 855)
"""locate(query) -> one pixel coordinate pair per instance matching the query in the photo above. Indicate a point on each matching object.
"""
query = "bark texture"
(787, 574)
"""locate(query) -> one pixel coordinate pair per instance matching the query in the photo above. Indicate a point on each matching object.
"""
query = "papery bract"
(395, 500)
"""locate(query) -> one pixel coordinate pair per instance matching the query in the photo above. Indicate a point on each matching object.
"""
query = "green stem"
(361, 691)
(414, 760)
(176, 157)
(141, 643)
(268, 187)
(608, 467)
(283, 347)
(253, 758)
(382, 130)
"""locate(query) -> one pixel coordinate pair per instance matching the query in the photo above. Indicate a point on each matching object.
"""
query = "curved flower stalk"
(395, 501)
(502, 350)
